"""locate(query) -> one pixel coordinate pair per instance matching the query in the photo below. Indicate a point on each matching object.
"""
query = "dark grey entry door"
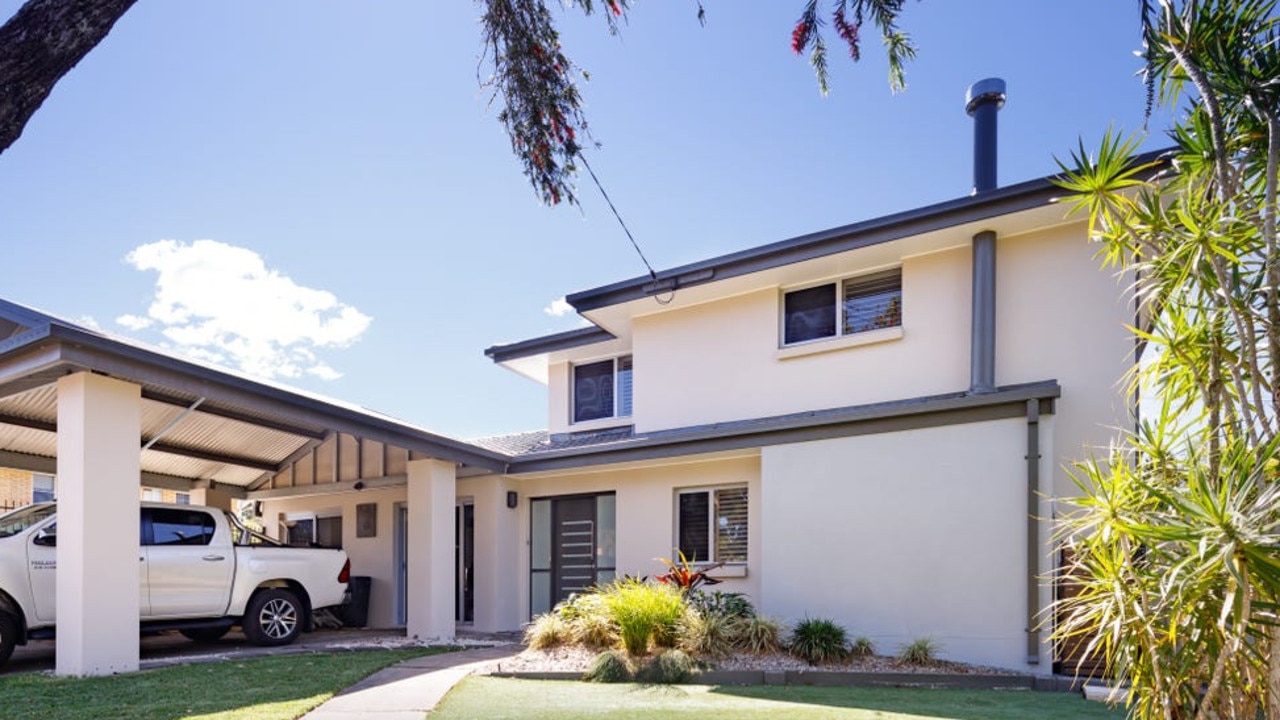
(574, 528)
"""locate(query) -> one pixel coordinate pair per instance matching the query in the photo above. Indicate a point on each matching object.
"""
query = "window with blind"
(602, 389)
(711, 524)
(854, 305)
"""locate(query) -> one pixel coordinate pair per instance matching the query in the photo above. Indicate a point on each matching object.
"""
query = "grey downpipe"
(1033, 531)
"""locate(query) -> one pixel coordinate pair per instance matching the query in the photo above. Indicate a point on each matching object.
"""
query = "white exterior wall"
(905, 535)
(497, 549)
(646, 515)
(1060, 316)
(696, 364)
(370, 556)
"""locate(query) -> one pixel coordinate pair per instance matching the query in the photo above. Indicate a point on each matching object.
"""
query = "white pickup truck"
(201, 573)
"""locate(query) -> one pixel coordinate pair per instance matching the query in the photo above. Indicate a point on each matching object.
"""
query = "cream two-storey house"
(871, 423)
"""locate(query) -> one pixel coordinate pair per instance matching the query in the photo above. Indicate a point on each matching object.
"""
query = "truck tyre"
(8, 636)
(205, 634)
(274, 617)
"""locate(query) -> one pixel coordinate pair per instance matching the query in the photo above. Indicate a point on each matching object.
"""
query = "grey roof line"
(981, 206)
(541, 446)
(548, 343)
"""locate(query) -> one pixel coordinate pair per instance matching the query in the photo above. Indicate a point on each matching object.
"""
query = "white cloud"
(89, 321)
(558, 307)
(222, 304)
(133, 322)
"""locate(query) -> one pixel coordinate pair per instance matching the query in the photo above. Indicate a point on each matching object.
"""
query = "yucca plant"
(547, 631)
(862, 647)
(758, 634)
(818, 641)
(923, 651)
(707, 635)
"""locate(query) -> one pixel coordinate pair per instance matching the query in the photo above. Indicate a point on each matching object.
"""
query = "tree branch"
(39, 45)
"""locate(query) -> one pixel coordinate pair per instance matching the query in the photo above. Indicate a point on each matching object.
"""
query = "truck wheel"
(273, 617)
(205, 634)
(8, 636)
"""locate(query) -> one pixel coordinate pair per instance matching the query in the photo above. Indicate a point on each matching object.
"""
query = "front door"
(574, 542)
(464, 537)
(573, 548)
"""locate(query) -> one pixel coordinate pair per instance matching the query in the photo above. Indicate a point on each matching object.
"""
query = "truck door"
(42, 568)
(189, 574)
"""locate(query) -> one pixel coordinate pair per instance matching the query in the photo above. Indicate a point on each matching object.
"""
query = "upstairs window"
(602, 389)
(851, 306)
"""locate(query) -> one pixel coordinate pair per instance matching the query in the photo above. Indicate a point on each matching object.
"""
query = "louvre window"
(712, 524)
(867, 302)
(602, 389)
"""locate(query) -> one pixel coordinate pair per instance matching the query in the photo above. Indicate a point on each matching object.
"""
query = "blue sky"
(317, 191)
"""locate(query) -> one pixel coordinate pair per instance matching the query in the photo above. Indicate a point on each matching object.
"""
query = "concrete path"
(409, 690)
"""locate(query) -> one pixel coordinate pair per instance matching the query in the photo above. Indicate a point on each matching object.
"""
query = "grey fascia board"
(22, 339)
(992, 203)
(931, 411)
(355, 422)
(549, 343)
(24, 315)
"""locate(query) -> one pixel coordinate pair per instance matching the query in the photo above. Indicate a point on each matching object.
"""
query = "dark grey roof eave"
(1001, 201)
(929, 411)
(452, 449)
(549, 343)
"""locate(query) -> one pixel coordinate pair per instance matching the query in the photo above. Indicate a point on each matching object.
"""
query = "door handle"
(213, 558)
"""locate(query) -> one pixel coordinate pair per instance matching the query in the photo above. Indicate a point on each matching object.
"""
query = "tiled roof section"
(540, 441)
(513, 444)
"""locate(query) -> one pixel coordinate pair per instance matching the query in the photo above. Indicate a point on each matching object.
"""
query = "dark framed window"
(602, 389)
(711, 524)
(171, 526)
(866, 303)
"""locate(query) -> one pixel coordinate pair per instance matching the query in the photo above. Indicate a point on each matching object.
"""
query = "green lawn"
(270, 688)
(495, 698)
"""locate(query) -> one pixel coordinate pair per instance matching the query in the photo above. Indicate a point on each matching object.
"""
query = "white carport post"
(99, 464)
(432, 495)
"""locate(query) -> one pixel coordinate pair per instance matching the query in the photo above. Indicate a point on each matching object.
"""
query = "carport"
(107, 415)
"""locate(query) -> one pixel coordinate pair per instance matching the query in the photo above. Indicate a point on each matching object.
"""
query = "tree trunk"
(40, 44)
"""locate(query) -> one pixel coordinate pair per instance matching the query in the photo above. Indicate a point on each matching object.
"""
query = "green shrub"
(731, 604)
(819, 641)
(709, 635)
(921, 652)
(862, 647)
(547, 631)
(666, 668)
(609, 667)
(758, 634)
(643, 613)
(587, 619)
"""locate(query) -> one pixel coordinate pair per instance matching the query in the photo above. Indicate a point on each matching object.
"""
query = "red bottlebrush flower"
(613, 5)
(848, 32)
(800, 37)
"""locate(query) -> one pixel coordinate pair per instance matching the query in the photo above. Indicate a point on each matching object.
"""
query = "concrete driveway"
(171, 648)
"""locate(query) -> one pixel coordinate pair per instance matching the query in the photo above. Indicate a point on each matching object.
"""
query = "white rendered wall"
(497, 550)
(373, 557)
(646, 515)
(904, 535)
(1060, 316)
(720, 361)
(99, 463)
(431, 577)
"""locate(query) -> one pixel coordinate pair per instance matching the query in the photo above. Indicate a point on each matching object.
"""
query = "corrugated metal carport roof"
(199, 423)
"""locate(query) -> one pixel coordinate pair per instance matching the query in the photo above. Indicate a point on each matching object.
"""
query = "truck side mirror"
(47, 537)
